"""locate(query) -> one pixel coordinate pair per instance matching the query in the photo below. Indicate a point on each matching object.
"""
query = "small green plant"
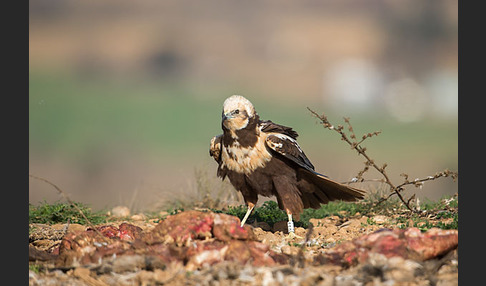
(62, 213)
(270, 213)
(453, 225)
(36, 268)
(238, 211)
(175, 210)
(440, 214)
(337, 208)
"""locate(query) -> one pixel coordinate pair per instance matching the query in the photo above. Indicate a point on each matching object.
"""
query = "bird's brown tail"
(326, 190)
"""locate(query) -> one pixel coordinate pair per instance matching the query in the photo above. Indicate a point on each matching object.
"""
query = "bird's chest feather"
(245, 159)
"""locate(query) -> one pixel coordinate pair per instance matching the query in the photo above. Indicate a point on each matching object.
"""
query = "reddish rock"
(254, 252)
(125, 231)
(183, 227)
(194, 238)
(165, 252)
(227, 227)
(238, 251)
(409, 244)
(40, 255)
(129, 232)
(263, 256)
(345, 253)
(390, 244)
(205, 253)
(108, 231)
(201, 246)
(432, 243)
(76, 248)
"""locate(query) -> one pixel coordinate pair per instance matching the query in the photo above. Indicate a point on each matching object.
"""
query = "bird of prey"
(263, 158)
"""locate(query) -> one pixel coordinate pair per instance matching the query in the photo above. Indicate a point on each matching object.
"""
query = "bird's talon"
(293, 236)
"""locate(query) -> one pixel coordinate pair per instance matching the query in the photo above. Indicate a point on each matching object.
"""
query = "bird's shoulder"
(268, 126)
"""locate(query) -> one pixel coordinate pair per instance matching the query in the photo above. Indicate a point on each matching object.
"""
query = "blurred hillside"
(125, 95)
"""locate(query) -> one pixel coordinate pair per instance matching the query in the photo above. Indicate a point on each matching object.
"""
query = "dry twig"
(356, 145)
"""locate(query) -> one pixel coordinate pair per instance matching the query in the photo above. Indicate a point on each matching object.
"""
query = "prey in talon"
(260, 157)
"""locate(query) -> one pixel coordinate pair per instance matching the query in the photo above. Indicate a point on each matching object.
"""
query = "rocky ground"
(206, 248)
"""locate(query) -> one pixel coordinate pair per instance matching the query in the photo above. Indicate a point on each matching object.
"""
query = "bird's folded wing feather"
(268, 126)
(289, 148)
(215, 147)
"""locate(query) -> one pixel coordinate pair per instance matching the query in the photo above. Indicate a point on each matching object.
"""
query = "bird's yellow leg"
(248, 212)
(290, 225)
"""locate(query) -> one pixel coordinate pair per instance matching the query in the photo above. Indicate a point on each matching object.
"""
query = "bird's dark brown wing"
(288, 147)
(322, 188)
(268, 126)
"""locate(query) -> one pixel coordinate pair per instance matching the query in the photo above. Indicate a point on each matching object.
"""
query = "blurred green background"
(124, 96)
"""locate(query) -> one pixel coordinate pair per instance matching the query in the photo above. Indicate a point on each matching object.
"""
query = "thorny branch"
(356, 145)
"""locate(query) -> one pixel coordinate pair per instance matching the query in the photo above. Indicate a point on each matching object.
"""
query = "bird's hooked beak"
(228, 115)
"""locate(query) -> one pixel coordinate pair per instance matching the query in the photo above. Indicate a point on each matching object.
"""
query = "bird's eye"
(237, 111)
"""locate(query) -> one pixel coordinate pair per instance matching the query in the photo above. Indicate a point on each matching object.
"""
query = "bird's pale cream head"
(237, 112)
